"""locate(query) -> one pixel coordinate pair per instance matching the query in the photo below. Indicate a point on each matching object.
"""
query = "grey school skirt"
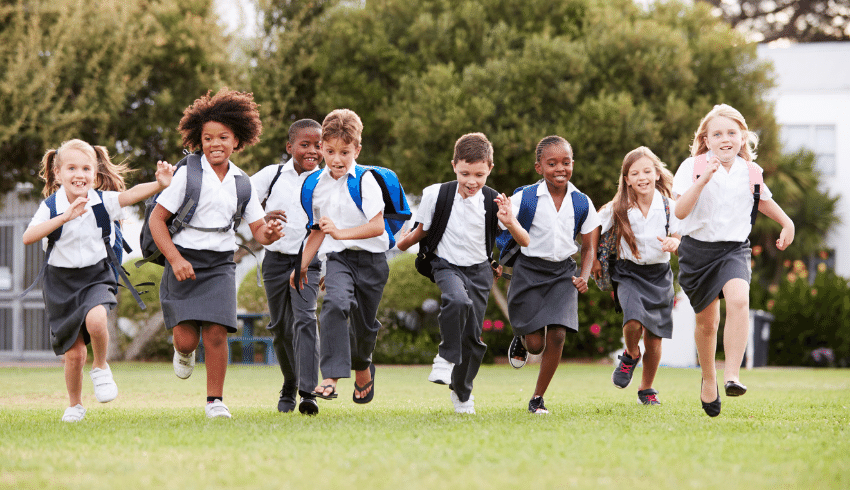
(211, 297)
(705, 267)
(646, 295)
(542, 293)
(69, 295)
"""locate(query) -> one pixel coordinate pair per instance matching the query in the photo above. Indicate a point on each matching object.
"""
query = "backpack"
(113, 251)
(396, 209)
(508, 247)
(271, 185)
(756, 181)
(442, 212)
(608, 250)
(180, 220)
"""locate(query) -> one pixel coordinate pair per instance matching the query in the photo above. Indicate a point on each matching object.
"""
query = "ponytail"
(47, 173)
(110, 176)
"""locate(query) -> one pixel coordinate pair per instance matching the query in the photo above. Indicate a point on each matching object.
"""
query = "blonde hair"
(751, 140)
(109, 176)
(626, 198)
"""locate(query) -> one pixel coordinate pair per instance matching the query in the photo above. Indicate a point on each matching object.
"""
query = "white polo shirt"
(551, 233)
(646, 230)
(216, 206)
(286, 196)
(463, 242)
(722, 211)
(332, 199)
(80, 244)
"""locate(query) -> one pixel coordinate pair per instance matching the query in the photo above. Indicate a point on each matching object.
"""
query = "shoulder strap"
(527, 206)
(243, 195)
(354, 182)
(491, 219)
(580, 208)
(51, 205)
(307, 188)
(756, 181)
(667, 214)
(194, 176)
(442, 212)
(276, 176)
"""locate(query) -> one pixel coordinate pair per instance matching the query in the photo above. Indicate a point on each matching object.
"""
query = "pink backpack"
(756, 181)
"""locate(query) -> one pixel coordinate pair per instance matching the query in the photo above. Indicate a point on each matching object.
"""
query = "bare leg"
(736, 333)
(632, 331)
(551, 358)
(186, 337)
(75, 359)
(99, 333)
(705, 336)
(216, 357)
(651, 359)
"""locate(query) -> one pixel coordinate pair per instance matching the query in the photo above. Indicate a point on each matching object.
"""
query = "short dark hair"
(302, 124)
(236, 110)
(343, 124)
(473, 147)
(549, 141)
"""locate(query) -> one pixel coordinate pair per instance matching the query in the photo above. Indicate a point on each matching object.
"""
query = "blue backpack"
(508, 247)
(113, 251)
(396, 209)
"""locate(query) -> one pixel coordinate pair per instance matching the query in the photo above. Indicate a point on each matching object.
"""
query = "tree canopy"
(794, 20)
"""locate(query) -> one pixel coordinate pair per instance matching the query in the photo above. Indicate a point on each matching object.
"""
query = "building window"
(819, 138)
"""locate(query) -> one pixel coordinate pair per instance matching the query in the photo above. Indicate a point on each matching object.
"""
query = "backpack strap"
(243, 195)
(667, 214)
(527, 206)
(271, 185)
(581, 205)
(102, 218)
(491, 223)
(194, 176)
(354, 182)
(307, 188)
(756, 181)
(440, 219)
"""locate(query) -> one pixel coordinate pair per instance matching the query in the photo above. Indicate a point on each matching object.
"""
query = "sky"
(237, 15)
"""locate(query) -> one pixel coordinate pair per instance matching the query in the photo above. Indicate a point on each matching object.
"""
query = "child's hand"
(580, 283)
(277, 214)
(505, 213)
(273, 230)
(786, 236)
(596, 269)
(711, 167)
(164, 172)
(328, 227)
(183, 269)
(76, 209)
(669, 244)
(497, 272)
(302, 279)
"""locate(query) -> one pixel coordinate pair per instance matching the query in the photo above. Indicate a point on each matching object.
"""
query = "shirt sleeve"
(427, 206)
(42, 214)
(606, 215)
(112, 206)
(592, 220)
(675, 223)
(172, 197)
(261, 180)
(684, 178)
(372, 196)
(254, 211)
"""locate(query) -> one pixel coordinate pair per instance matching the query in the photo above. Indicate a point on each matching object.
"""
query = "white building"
(812, 100)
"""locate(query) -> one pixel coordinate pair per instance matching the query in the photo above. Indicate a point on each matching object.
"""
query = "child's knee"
(96, 320)
(556, 336)
(535, 342)
(215, 336)
(456, 301)
(76, 355)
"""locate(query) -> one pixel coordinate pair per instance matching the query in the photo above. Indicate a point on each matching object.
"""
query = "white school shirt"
(216, 207)
(332, 199)
(286, 195)
(646, 230)
(722, 211)
(80, 244)
(551, 233)
(463, 241)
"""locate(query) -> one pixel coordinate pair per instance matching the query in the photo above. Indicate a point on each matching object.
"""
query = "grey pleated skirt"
(211, 297)
(69, 295)
(705, 267)
(542, 293)
(646, 295)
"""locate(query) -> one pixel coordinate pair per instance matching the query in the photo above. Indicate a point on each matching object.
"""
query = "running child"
(462, 268)
(643, 217)
(714, 255)
(292, 313)
(355, 243)
(79, 285)
(543, 295)
(198, 288)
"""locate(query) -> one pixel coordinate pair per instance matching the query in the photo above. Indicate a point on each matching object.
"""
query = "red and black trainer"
(625, 369)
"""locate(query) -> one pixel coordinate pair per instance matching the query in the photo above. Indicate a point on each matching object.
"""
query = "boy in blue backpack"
(355, 241)
(79, 286)
(292, 313)
(543, 296)
(461, 267)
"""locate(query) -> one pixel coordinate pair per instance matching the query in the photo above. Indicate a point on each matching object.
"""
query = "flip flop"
(371, 393)
(322, 395)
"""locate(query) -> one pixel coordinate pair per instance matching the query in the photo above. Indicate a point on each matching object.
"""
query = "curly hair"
(473, 148)
(236, 110)
(342, 124)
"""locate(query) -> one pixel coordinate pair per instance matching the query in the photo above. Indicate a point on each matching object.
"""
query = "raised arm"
(507, 218)
(37, 232)
(412, 236)
(140, 192)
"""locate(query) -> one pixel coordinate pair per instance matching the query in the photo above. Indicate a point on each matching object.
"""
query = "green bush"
(159, 348)
(251, 298)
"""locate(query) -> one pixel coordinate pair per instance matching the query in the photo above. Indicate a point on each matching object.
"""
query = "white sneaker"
(441, 371)
(105, 389)
(184, 364)
(463, 407)
(74, 414)
(217, 409)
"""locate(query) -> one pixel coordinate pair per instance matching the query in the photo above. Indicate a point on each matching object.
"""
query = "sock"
(211, 399)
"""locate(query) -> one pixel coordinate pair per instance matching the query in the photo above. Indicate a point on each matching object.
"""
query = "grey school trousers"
(293, 321)
(354, 283)
(465, 291)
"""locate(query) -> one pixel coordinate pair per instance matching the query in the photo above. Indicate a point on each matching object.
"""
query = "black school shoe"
(535, 405)
(712, 409)
(648, 397)
(625, 369)
(308, 405)
(286, 403)
(734, 389)
(517, 354)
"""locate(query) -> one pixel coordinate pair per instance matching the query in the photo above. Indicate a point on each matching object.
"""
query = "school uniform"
(292, 313)
(462, 272)
(645, 284)
(77, 277)
(211, 297)
(715, 247)
(542, 292)
(357, 272)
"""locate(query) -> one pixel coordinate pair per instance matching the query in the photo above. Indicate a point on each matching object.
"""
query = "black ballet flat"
(734, 388)
(712, 409)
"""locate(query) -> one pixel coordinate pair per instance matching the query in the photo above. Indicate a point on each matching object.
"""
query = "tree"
(113, 73)
(796, 20)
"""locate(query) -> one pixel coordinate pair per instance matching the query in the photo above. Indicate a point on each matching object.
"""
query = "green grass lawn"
(789, 431)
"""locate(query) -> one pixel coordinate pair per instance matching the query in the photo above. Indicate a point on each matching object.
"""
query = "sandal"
(371, 394)
(322, 395)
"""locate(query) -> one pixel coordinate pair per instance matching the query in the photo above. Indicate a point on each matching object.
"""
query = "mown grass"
(789, 431)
